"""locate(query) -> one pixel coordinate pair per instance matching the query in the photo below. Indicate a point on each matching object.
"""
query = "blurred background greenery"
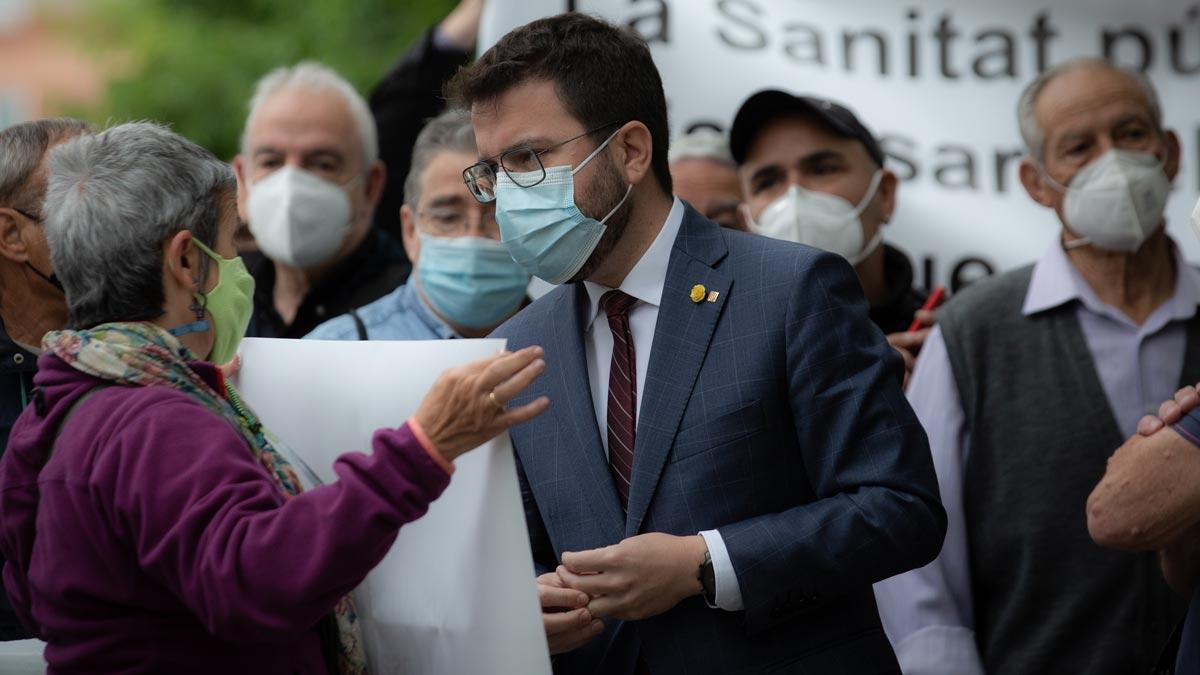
(193, 63)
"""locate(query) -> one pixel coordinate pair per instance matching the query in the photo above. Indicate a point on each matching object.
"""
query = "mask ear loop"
(1063, 190)
(876, 181)
(1057, 186)
(868, 249)
(595, 152)
(199, 308)
(51, 278)
(628, 191)
(750, 222)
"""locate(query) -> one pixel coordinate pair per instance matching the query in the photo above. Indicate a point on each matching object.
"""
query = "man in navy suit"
(728, 462)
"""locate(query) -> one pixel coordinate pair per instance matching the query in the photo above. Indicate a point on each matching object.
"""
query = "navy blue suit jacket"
(775, 415)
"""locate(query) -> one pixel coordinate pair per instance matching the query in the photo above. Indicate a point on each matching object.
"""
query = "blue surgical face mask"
(471, 281)
(542, 228)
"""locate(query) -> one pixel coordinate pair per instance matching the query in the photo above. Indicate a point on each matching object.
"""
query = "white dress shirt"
(645, 282)
(929, 613)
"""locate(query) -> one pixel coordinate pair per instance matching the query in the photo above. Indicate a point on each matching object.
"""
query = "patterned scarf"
(144, 355)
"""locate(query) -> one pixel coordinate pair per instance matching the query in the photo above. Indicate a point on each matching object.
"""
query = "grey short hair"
(1032, 133)
(450, 131)
(22, 149)
(702, 143)
(313, 76)
(112, 200)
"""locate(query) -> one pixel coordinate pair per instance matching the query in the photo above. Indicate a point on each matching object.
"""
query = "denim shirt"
(399, 315)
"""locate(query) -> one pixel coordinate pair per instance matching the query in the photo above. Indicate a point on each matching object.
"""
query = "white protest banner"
(938, 82)
(456, 592)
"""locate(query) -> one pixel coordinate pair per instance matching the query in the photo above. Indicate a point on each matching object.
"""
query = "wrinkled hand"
(1170, 412)
(638, 578)
(568, 623)
(458, 414)
(908, 345)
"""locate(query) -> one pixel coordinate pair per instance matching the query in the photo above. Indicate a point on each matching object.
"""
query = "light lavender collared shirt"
(929, 612)
(645, 282)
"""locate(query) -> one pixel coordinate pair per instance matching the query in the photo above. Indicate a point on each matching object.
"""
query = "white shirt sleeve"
(729, 592)
(928, 613)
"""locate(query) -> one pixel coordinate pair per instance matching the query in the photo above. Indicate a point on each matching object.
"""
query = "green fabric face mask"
(230, 302)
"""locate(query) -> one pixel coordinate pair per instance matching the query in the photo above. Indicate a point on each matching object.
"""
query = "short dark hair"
(603, 73)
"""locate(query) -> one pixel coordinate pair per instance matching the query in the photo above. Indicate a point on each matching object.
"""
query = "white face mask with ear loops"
(820, 220)
(1117, 201)
(298, 218)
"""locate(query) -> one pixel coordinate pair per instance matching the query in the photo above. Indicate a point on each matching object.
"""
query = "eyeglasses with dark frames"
(522, 165)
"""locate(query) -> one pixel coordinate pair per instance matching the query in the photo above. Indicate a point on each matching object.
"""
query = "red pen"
(935, 299)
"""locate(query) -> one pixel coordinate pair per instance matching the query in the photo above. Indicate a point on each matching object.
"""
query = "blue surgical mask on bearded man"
(543, 228)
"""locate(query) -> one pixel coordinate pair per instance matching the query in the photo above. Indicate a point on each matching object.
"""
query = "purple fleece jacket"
(153, 541)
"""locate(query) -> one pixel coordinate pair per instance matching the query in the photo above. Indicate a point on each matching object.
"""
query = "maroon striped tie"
(622, 392)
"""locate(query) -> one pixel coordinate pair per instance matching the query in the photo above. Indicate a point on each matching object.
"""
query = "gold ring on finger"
(495, 401)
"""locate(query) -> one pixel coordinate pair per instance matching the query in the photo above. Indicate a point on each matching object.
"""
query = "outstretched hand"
(466, 406)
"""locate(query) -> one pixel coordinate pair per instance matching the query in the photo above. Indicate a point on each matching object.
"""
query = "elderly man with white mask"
(309, 180)
(1028, 383)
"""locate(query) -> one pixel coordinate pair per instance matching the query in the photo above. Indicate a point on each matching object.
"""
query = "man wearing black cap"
(813, 174)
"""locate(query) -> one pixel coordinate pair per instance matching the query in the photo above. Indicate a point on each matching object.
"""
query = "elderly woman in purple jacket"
(148, 523)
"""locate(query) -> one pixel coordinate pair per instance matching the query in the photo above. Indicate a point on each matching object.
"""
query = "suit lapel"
(681, 338)
(571, 404)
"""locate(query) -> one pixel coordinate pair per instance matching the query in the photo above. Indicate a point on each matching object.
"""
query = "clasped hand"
(640, 577)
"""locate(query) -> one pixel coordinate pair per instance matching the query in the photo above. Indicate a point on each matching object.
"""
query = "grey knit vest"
(1047, 599)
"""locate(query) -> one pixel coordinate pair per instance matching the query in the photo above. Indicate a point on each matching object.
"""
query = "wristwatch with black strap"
(708, 580)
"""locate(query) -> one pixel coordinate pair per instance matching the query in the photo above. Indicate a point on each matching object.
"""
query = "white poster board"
(456, 593)
(936, 80)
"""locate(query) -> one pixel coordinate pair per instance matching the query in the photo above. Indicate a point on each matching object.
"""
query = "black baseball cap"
(768, 104)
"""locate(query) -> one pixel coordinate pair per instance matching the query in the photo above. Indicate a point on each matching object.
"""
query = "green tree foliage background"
(193, 63)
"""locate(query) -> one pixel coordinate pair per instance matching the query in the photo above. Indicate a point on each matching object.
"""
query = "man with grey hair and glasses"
(1028, 383)
(464, 282)
(309, 179)
(31, 298)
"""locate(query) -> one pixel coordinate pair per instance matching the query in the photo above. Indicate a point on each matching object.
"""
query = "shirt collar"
(648, 277)
(411, 300)
(1055, 282)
